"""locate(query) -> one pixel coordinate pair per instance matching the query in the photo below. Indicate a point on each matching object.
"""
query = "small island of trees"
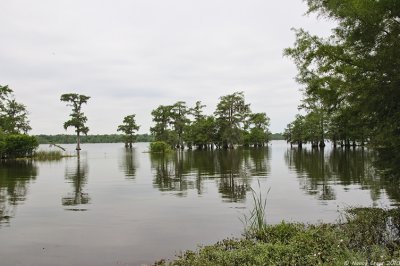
(232, 124)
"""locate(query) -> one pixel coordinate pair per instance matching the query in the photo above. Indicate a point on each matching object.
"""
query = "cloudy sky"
(132, 55)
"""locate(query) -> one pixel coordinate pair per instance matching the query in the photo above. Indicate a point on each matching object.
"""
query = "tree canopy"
(232, 124)
(353, 74)
(14, 126)
(77, 117)
(129, 127)
(13, 115)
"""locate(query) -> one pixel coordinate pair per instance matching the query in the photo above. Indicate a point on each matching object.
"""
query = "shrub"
(369, 236)
(17, 145)
(160, 147)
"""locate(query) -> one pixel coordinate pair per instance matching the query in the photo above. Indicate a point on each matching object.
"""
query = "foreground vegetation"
(366, 236)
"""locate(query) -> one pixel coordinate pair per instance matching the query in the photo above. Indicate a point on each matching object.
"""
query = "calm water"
(114, 206)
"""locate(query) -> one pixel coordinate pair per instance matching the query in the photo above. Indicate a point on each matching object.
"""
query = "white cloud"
(131, 56)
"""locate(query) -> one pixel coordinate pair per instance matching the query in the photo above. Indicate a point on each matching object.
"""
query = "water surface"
(116, 206)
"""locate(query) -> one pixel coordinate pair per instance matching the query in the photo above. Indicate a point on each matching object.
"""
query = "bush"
(17, 145)
(368, 236)
(160, 147)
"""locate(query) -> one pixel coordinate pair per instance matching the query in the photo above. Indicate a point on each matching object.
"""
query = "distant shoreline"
(106, 138)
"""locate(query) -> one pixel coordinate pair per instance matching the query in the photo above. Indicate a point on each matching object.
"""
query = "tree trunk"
(78, 142)
(300, 145)
(321, 144)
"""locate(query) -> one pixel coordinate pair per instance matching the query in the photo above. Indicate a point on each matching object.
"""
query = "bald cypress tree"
(77, 117)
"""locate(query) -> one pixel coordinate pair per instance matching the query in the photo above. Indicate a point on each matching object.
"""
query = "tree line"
(101, 138)
(177, 125)
(351, 78)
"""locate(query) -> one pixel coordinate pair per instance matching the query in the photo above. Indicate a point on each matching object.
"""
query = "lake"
(113, 206)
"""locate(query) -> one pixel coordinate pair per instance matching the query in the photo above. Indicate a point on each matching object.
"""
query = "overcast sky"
(131, 56)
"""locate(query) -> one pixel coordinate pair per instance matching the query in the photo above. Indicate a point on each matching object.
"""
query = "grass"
(364, 236)
(49, 155)
(255, 222)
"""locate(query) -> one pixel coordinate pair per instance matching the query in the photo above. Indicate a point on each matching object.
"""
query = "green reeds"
(255, 222)
(48, 155)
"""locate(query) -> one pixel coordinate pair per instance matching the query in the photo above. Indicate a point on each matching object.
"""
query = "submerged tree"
(78, 119)
(162, 118)
(179, 121)
(233, 124)
(355, 70)
(231, 114)
(258, 133)
(295, 131)
(129, 127)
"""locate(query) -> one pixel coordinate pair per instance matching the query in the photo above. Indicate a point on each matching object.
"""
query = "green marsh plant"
(255, 222)
(49, 155)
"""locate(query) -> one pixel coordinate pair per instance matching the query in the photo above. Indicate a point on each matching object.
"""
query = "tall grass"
(48, 155)
(256, 222)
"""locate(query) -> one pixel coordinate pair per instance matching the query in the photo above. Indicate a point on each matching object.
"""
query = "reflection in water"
(128, 163)
(320, 171)
(170, 170)
(231, 169)
(77, 176)
(15, 177)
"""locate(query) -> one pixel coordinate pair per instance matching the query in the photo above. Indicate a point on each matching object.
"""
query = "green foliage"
(295, 131)
(111, 138)
(300, 244)
(309, 128)
(159, 147)
(179, 112)
(77, 118)
(17, 145)
(256, 222)
(171, 123)
(231, 114)
(277, 136)
(13, 115)
(352, 75)
(232, 124)
(383, 227)
(129, 127)
(48, 155)
(202, 132)
(259, 134)
(162, 131)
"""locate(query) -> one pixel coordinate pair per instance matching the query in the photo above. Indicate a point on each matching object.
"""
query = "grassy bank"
(366, 236)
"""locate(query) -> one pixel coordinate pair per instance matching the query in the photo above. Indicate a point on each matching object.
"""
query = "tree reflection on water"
(77, 176)
(128, 162)
(319, 171)
(15, 178)
(232, 170)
